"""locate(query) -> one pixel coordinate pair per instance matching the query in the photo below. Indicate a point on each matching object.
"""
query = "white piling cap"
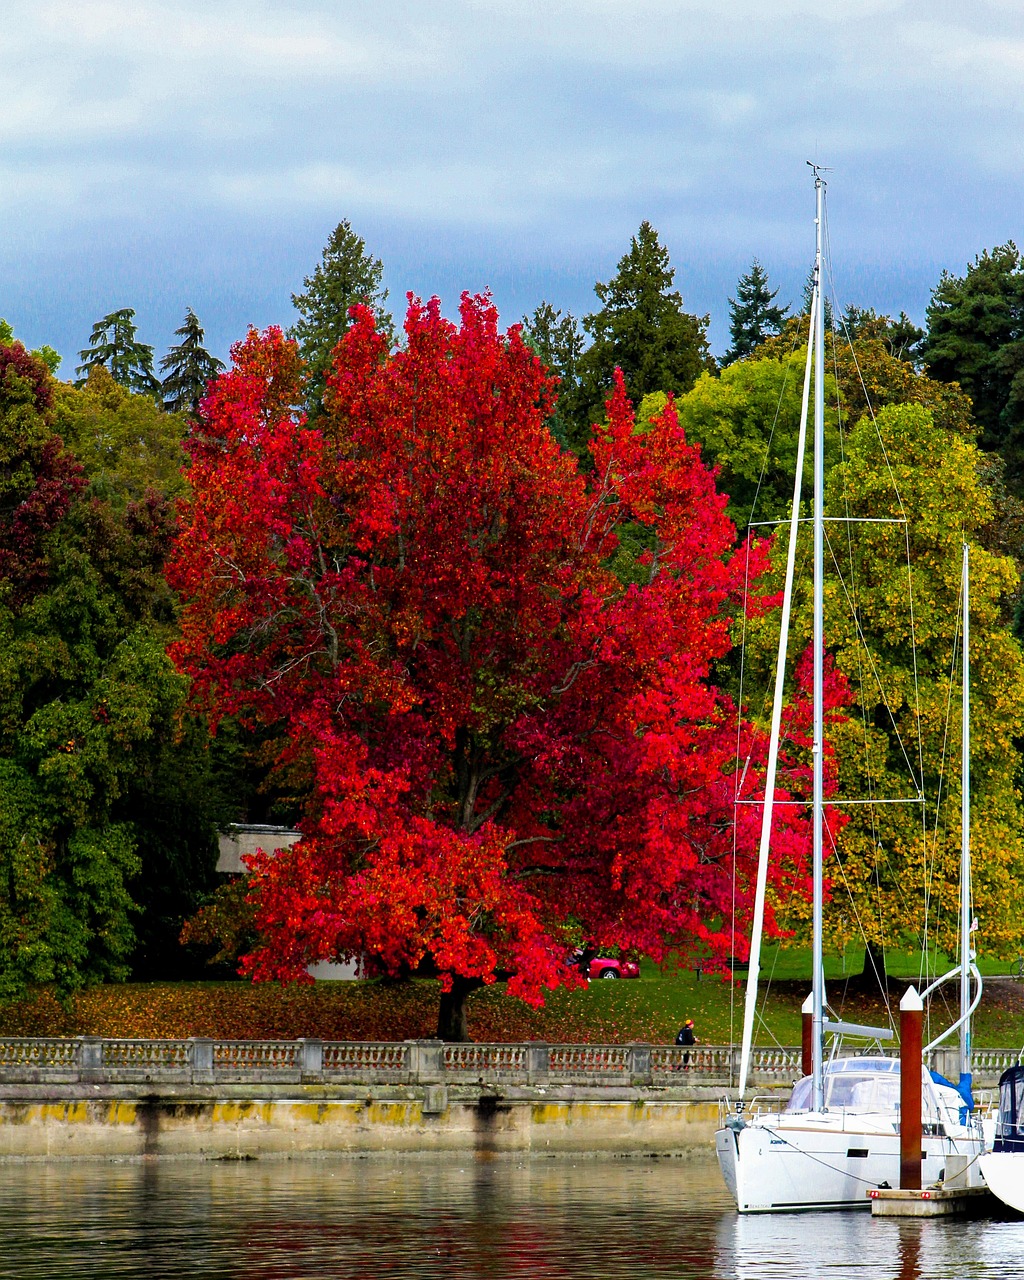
(808, 1004)
(911, 1002)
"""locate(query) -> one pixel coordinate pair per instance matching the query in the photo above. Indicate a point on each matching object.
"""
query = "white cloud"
(538, 122)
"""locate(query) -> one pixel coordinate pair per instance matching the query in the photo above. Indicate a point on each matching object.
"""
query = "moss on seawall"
(40, 1125)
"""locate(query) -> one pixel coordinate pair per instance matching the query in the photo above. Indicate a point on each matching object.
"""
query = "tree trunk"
(451, 1015)
(872, 978)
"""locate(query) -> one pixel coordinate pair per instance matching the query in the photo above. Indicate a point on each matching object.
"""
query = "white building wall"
(244, 839)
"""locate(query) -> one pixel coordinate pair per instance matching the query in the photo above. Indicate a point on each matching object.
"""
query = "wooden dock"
(931, 1202)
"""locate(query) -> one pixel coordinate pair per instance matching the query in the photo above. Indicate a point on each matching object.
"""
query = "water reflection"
(909, 1251)
(453, 1217)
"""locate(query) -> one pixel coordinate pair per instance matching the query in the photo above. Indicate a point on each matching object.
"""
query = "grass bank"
(649, 1010)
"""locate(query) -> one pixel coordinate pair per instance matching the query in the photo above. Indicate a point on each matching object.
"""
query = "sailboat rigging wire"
(860, 649)
(764, 524)
(918, 778)
(767, 991)
(765, 1026)
(838, 802)
(771, 434)
(874, 800)
(856, 915)
(856, 362)
(954, 659)
(899, 499)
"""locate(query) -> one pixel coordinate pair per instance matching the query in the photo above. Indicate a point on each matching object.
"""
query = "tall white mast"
(965, 834)
(818, 738)
(757, 924)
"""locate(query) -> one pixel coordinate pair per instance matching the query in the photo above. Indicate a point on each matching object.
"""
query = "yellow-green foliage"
(126, 442)
(897, 866)
(747, 423)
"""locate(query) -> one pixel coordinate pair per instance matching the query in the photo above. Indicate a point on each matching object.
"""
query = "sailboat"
(1003, 1166)
(839, 1135)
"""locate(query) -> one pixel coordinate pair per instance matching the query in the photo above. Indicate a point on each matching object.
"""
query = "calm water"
(453, 1217)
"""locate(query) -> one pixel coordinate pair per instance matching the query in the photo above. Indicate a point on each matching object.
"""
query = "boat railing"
(766, 1104)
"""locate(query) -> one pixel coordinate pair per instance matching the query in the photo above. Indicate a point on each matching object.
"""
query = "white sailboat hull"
(1003, 1171)
(787, 1164)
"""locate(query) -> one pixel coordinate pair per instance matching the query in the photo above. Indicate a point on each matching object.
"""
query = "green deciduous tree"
(98, 764)
(345, 276)
(754, 313)
(45, 353)
(976, 338)
(747, 423)
(896, 864)
(901, 336)
(113, 343)
(642, 329)
(127, 444)
(188, 368)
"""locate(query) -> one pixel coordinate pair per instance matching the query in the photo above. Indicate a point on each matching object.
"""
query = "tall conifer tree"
(188, 368)
(112, 342)
(976, 337)
(558, 341)
(754, 314)
(346, 275)
(642, 329)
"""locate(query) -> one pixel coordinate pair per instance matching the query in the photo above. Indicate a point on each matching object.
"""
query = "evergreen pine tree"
(557, 340)
(976, 337)
(754, 314)
(345, 276)
(641, 328)
(112, 343)
(188, 368)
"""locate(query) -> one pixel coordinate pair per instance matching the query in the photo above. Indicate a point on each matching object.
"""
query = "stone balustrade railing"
(85, 1060)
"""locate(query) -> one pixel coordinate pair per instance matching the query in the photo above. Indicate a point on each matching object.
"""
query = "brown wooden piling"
(911, 1020)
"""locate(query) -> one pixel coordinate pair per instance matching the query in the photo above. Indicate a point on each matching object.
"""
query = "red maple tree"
(39, 478)
(507, 747)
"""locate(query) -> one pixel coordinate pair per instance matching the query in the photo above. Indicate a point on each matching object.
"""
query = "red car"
(606, 967)
(602, 966)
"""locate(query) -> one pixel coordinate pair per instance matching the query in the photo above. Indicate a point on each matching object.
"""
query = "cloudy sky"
(169, 153)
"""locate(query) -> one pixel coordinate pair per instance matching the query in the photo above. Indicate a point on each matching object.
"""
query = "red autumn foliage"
(39, 479)
(505, 746)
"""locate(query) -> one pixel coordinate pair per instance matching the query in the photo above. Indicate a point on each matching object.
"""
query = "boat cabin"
(1010, 1125)
(871, 1086)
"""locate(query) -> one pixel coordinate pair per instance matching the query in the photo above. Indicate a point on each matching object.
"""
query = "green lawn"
(650, 1009)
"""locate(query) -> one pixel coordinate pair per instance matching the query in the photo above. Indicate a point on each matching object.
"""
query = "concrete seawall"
(231, 1099)
(97, 1122)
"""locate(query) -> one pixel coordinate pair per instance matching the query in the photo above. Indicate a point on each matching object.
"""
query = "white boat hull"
(1003, 1171)
(777, 1168)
